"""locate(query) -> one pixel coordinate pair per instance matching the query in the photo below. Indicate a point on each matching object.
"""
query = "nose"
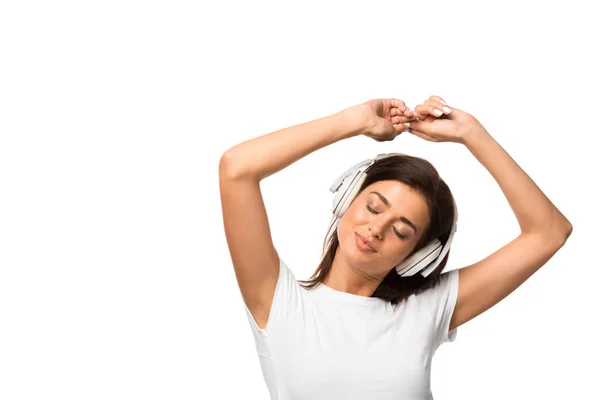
(378, 226)
(375, 231)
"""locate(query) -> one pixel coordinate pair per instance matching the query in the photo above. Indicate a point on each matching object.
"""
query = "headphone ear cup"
(427, 260)
(420, 259)
(338, 200)
(347, 193)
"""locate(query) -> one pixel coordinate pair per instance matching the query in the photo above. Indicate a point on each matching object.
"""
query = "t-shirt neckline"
(349, 296)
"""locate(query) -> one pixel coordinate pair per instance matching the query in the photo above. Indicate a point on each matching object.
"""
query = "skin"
(360, 273)
(356, 272)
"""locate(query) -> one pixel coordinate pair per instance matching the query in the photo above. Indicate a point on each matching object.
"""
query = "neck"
(347, 278)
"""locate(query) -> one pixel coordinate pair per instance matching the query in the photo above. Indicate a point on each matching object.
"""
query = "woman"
(362, 329)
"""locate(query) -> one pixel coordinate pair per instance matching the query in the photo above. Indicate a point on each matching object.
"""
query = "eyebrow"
(402, 218)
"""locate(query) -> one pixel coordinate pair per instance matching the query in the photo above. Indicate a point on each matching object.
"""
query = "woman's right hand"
(384, 119)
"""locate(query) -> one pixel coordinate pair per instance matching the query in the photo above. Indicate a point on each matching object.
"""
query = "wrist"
(474, 134)
(353, 121)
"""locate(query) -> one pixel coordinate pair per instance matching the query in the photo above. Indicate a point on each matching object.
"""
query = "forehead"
(401, 197)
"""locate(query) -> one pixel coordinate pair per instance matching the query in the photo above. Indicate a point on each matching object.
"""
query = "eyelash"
(397, 233)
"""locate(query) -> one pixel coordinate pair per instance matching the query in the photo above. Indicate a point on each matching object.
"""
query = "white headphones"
(346, 188)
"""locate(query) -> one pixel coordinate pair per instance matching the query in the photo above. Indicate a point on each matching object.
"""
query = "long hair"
(422, 176)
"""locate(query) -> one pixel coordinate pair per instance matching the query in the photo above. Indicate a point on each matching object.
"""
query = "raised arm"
(242, 167)
(544, 229)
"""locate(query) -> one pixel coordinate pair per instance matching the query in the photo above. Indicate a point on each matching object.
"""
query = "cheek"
(395, 251)
(346, 237)
(340, 232)
(403, 252)
(345, 234)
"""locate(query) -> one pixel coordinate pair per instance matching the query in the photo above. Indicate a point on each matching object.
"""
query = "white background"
(116, 280)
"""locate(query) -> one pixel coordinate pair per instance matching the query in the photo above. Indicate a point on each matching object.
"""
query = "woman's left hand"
(437, 122)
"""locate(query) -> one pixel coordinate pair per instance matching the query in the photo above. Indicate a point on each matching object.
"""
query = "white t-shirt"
(326, 344)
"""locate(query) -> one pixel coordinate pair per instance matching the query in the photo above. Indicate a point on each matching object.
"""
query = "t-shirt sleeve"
(286, 301)
(441, 300)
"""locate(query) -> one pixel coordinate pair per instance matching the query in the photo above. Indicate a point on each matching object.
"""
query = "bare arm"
(544, 229)
(241, 168)
(533, 210)
(261, 157)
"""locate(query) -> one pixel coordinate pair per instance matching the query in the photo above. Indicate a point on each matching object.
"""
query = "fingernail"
(437, 112)
(443, 102)
(447, 109)
(407, 124)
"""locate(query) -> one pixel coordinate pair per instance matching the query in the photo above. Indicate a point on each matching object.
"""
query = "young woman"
(367, 324)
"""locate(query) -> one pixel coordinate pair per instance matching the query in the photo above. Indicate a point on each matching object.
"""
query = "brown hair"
(422, 176)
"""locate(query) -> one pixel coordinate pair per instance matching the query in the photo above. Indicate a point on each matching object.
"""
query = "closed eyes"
(401, 236)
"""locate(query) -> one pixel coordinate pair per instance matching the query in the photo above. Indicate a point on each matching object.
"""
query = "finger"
(422, 117)
(438, 98)
(417, 116)
(438, 108)
(420, 134)
(398, 129)
(399, 119)
(397, 103)
(425, 110)
(435, 108)
(425, 127)
(394, 111)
